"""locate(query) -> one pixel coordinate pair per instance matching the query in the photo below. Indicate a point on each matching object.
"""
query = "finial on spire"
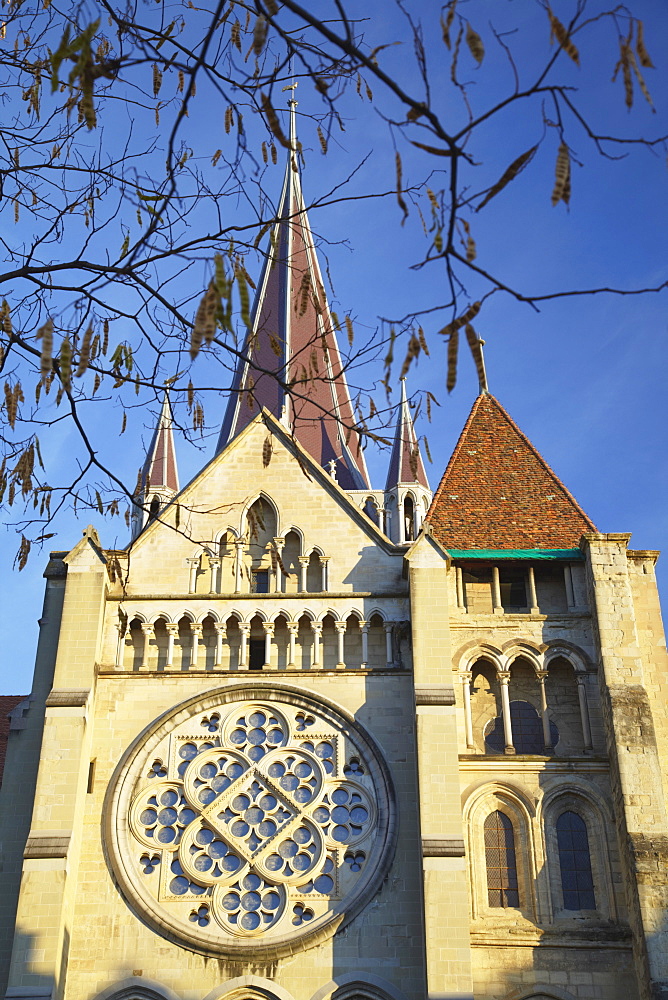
(292, 104)
(479, 358)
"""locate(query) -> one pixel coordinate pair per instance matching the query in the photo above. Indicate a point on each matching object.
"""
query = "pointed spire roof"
(160, 472)
(292, 342)
(406, 465)
(499, 493)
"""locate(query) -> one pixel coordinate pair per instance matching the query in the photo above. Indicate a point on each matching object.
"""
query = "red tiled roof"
(7, 703)
(499, 493)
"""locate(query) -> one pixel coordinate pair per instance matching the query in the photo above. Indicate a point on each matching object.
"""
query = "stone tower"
(318, 744)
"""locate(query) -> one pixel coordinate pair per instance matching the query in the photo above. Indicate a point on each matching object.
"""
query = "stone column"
(581, 678)
(460, 587)
(533, 598)
(547, 735)
(238, 562)
(389, 652)
(120, 645)
(466, 677)
(340, 635)
(193, 563)
(324, 580)
(148, 635)
(293, 629)
(214, 566)
(278, 577)
(364, 629)
(221, 630)
(172, 632)
(268, 634)
(496, 591)
(244, 628)
(504, 680)
(316, 627)
(303, 566)
(196, 633)
(568, 581)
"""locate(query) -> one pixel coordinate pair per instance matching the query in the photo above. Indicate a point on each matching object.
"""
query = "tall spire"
(406, 465)
(292, 364)
(159, 476)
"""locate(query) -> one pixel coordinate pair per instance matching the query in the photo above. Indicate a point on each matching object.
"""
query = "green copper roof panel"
(570, 555)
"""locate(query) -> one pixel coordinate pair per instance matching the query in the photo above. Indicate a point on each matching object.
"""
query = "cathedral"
(305, 739)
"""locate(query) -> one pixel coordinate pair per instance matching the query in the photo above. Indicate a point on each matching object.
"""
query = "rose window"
(256, 833)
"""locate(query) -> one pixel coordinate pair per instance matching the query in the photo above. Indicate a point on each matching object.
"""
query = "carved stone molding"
(63, 698)
(47, 845)
(447, 847)
(440, 694)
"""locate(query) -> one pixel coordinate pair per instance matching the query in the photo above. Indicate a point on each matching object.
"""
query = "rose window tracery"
(259, 831)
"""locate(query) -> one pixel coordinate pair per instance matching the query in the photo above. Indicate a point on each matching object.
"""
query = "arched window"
(500, 861)
(409, 519)
(577, 884)
(371, 510)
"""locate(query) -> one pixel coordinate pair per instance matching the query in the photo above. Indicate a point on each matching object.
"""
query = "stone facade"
(301, 742)
(425, 686)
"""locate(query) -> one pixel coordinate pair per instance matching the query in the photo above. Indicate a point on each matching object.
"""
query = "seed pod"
(562, 183)
(474, 42)
(45, 333)
(84, 353)
(453, 348)
(558, 31)
(643, 54)
(259, 34)
(508, 175)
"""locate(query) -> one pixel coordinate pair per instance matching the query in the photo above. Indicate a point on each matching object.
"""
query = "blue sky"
(584, 378)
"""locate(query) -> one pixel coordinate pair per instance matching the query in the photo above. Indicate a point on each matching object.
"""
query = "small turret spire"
(292, 365)
(159, 476)
(406, 465)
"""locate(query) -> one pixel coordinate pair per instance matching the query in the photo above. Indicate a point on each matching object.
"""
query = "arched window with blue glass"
(577, 883)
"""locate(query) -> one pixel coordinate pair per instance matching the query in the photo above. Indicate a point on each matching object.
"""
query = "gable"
(499, 493)
(263, 460)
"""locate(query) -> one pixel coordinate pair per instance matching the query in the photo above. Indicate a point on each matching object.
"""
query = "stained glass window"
(500, 860)
(574, 859)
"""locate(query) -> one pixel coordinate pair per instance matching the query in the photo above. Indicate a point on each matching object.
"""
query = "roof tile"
(499, 493)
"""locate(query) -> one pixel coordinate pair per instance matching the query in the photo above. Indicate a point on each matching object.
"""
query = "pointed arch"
(297, 531)
(586, 801)
(467, 656)
(261, 495)
(253, 987)
(136, 988)
(350, 984)
(209, 613)
(159, 616)
(233, 614)
(559, 649)
(518, 809)
(377, 612)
